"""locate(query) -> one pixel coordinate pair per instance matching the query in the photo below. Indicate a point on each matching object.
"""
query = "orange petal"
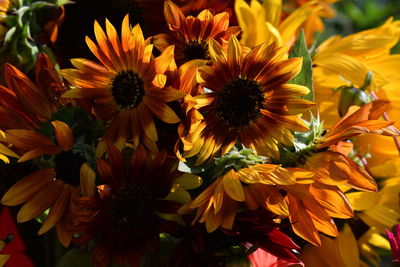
(173, 15)
(302, 224)
(161, 110)
(63, 134)
(48, 150)
(43, 200)
(57, 210)
(333, 200)
(27, 187)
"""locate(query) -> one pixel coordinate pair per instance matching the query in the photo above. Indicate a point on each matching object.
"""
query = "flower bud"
(351, 96)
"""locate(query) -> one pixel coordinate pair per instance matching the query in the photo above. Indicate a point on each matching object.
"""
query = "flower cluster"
(221, 140)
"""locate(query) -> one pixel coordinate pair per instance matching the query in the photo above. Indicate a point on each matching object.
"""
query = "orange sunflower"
(127, 88)
(248, 101)
(51, 188)
(25, 104)
(191, 35)
(333, 169)
(257, 186)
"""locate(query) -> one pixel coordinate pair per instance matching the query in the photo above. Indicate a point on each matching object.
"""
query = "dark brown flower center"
(240, 102)
(127, 89)
(195, 50)
(130, 207)
(67, 166)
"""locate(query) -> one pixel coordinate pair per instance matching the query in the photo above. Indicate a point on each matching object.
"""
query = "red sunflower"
(124, 213)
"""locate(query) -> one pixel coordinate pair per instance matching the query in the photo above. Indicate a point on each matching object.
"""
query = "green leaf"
(63, 2)
(76, 258)
(305, 76)
(10, 35)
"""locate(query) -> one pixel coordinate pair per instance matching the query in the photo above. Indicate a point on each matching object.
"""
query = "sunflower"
(333, 170)
(124, 215)
(127, 88)
(248, 101)
(25, 107)
(50, 188)
(25, 104)
(261, 23)
(191, 35)
(256, 186)
(347, 60)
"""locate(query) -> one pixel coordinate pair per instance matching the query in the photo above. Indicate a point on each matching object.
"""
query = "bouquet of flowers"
(198, 133)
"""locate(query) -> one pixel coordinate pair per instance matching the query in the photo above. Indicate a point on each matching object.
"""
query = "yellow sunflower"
(127, 88)
(314, 22)
(248, 101)
(191, 35)
(261, 23)
(378, 210)
(347, 60)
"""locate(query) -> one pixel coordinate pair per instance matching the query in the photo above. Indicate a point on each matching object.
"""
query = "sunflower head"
(129, 86)
(126, 208)
(247, 100)
(191, 35)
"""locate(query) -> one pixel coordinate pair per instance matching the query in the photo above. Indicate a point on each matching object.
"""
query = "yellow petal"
(272, 11)
(362, 200)
(233, 186)
(348, 247)
(87, 180)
